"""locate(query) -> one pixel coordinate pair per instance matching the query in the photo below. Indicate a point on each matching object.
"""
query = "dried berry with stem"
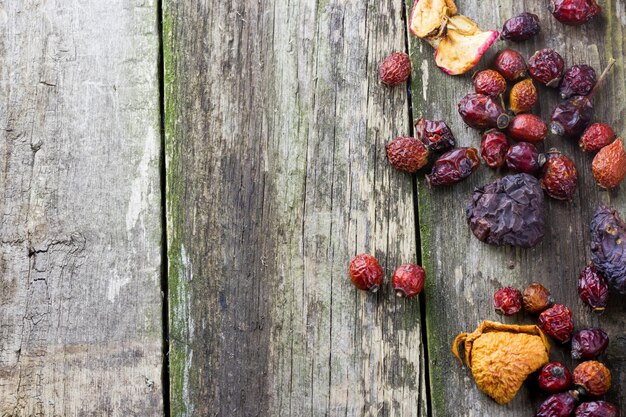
(521, 27)
(558, 405)
(554, 377)
(523, 157)
(510, 64)
(408, 280)
(546, 67)
(482, 112)
(558, 176)
(395, 69)
(536, 298)
(366, 273)
(493, 148)
(507, 301)
(592, 378)
(523, 96)
(578, 80)
(527, 128)
(593, 288)
(407, 154)
(435, 134)
(609, 165)
(557, 323)
(453, 167)
(489, 82)
(596, 409)
(589, 343)
(608, 240)
(574, 12)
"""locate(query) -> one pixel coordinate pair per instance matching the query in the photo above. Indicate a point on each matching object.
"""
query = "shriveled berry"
(482, 112)
(493, 147)
(435, 134)
(592, 378)
(523, 157)
(523, 96)
(408, 280)
(489, 83)
(453, 166)
(366, 273)
(546, 67)
(557, 322)
(589, 343)
(536, 298)
(593, 288)
(575, 12)
(597, 409)
(554, 377)
(395, 69)
(507, 301)
(558, 176)
(521, 27)
(527, 128)
(571, 117)
(577, 81)
(609, 165)
(407, 154)
(608, 252)
(596, 137)
(510, 64)
(558, 405)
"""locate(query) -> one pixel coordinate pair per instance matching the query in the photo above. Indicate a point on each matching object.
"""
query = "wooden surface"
(80, 235)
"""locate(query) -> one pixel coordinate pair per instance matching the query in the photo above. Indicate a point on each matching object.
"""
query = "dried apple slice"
(429, 17)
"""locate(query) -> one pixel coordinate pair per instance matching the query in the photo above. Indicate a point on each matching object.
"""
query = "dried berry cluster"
(366, 274)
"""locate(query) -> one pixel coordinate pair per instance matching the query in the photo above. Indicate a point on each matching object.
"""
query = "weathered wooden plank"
(80, 235)
(276, 176)
(463, 272)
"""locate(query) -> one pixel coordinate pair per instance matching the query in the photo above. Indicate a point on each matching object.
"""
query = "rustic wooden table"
(184, 183)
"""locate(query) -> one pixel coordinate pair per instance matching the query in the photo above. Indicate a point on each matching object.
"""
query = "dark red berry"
(577, 81)
(558, 405)
(558, 176)
(554, 377)
(557, 322)
(521, 27)
(596, 137)
(395, 69)
(527, 128)
(593, 288)
(510, 64)
(489, 83)
(482, 112)
(589, 343)
(536, 298)
(407, 154)
(546, 67)
(523, 157)
(575, 12)
(572, 116)
(493, 147)
(366, 273)
(507, 301)
(408, 280)
(435, 134)
(597, 409)
(453, 166)
(592, 378)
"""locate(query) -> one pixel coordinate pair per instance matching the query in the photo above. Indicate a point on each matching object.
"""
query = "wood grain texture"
(275, 131)
(464, 273)
(80, 233)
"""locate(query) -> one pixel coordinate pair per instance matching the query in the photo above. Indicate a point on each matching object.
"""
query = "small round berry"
(523, 157)
(577, 81)
(407, 154)
(589, 343)
(523, 96)
(554, 377)
(507, 301)
(435, 134)
(597, 409)
(575, 12)
(609, 165)
(536, 298)
(521, 28)
(366, 273)
(510, 64)
(493, 148)
(558, 405)
(546, 67)
(593, 288)
(395, 69)
(558, 176)
(408, 280)
(557, 323)
(596, 137)
(592, 378)
(490, 83)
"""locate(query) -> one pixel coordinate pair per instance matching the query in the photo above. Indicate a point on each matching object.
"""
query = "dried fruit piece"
(510, 64)
(558, 176)
(507, 301)
(435, 134)
(453, 166)
(557, 322)
(597, 409)
(592, 378)
(395, 69)
(577, 81)
(521, 27)
(554, 377)
(509, 211)
(489, 83)
(427, 16)
(493, 147)
(366, 273)
(589, 343)
(482, 112)
(596, 137)
(502, 356)
(407, 154)
(523, 157)
(593, 289)
(558, 405)
(575, 12)
(523, 96)
(609, 165)
(572, 116)
(536, 298)
(608, 235)
(546, 67)
(408, 280)
(527, 128)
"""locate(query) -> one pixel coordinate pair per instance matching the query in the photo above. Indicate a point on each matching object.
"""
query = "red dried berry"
(395, 69)
(489, 83)
(546, 67)
(453, 166)
(577, 81)
(593, 288)
(527, 128)
(558, 176)
(592, 378)
(575, 12)
(572, 116)
(557, 322)
(365, 272)
(609, 165)
(408, 280)
(558, 405)
(510, 64)
(523, 157)
(597, 409)
(482, 112)
(507, 301)
(407, 154)
(596, 137)
(521, 28)
(435, 134)
(523, 96)
(554, 377)
(493, 147)
(589, 343)
(536, 298)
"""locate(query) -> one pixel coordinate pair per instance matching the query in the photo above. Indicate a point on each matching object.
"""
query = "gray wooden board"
(463, 272)
(80, 235)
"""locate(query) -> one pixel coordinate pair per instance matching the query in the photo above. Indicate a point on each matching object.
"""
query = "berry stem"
(602, 78)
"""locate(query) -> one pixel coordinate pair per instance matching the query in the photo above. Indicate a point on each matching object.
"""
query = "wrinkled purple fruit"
(597, 409)
(608, 247)
(589, 343)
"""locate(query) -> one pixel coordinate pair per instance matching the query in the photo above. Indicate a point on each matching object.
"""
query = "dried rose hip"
(489, 83)
(507, 301)
(597, 409)
(554, 377)
(523, 157)
(575, 12)
(408, 280)
(510, 64)
(435, 134)
(493, 147)
(453, 166)
(558, 176)
(536, 298)
(407, 154)
(557, 322)
(609, 165)
(395, 69)
(592, 378)
(546, 67)
(521, 28)
(608, 236)
(527, 128)
(523, 96)
(596, 137)
(589, 343)
(593, 289)
(558, 405)
(509, 211)
(577, 81)
(482, 112)
(572, 116)
(366, 273)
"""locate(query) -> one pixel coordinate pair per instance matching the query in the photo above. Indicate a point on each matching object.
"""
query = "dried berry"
(597, 409)
(521, 28)
(558, 176)
(609, 165)
(527, 128)
(408, 280)
(395, 69)
(453, 166)
(435, 134)
(493, 147)
(507, 301)
(572, 116)
(546, 67)
(596, 137)
(510, 64)
(523, 157)
(608, 236)
(592, 378)
(482, 112)
(407, 154)
(536, 298)
(366, 273)
(575, 12)
(589, 343)
(501, 356)
(489, 83)
(558, 405)
(554, 377)
(509, 211)
(577, 81)
(593, 289)
(523, 96)
(557, 322)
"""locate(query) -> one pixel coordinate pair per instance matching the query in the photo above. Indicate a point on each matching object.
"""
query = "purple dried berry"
(482, 112)
(577, 81)
(597, 409)
(572, 116)
(558, 405)
(546, 67)
(593, 288)
(523, 157)
(608, 247)
(589, 343)
(521, 27)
